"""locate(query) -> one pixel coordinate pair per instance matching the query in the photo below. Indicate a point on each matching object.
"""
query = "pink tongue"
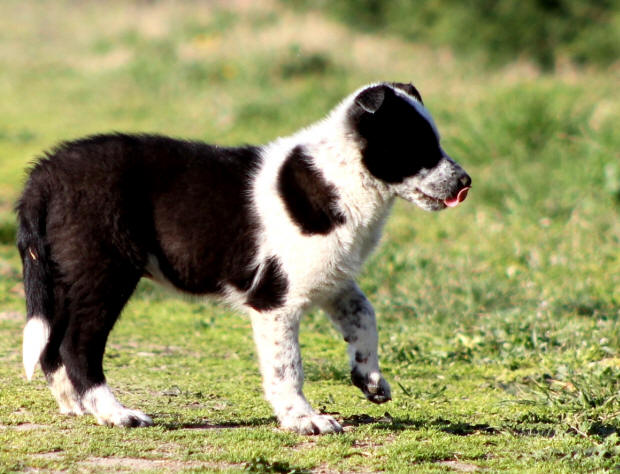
(460, 197)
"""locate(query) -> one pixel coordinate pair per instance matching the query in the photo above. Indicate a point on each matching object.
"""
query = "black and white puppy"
(273, 230)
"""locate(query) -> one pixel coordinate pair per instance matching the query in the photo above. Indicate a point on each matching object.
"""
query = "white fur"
(276, 337)
(316, 264)
(36, 335)
(65, 393)
(107, 410)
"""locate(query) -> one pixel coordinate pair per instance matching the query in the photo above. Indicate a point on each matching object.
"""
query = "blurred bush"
(585, 32)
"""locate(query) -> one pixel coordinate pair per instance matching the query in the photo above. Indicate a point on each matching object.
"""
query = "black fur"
(397, 141)
(409, 89)
(94, 209)
(311, 202)
(270, 290)
(34, 251)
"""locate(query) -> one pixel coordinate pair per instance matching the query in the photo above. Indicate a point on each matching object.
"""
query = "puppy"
(274, 230)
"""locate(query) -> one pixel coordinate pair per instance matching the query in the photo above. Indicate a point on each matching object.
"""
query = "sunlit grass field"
(499, 320)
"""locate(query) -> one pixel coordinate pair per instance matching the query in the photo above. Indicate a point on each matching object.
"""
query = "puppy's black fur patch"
(397, 140)
(270, 290)
(311, 202)
(205, 229)
(108, 202)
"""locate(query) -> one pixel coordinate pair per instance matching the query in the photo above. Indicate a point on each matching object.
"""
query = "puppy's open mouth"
(447, 202)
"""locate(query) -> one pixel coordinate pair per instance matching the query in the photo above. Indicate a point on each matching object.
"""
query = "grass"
(546, 32)
(499, 320)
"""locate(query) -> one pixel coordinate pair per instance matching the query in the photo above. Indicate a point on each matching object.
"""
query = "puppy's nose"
(465, 180)
(461, 194)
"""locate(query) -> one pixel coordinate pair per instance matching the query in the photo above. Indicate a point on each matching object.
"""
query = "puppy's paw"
(311, 424)
(373, 385)
(125, 417)
(107, 410)
(134, 419)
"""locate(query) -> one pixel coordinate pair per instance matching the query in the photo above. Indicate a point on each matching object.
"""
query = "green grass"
(497, 31)
(499, 320)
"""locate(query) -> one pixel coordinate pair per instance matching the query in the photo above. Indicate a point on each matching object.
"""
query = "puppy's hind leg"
(276, 337)
(96, 299)
(41, 343)
(45, 302)
(354, 317)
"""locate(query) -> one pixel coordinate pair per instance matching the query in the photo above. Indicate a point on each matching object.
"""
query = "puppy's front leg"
(276, 337)
(354, 317)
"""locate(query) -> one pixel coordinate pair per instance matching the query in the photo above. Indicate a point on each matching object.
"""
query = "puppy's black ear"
(372, 98)
(409, 89)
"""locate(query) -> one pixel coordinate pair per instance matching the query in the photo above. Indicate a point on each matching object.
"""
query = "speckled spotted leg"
(353, 315)
(276, 337)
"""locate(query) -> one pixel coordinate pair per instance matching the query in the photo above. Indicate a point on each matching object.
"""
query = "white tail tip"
(36, 335)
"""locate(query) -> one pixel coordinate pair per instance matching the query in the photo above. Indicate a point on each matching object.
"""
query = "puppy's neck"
(336, 151)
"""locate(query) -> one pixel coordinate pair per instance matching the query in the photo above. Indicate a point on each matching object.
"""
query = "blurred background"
(525, 95)
(505, 78)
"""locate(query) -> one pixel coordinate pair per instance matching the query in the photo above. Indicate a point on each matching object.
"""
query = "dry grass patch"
(12, 315)
(97, 464)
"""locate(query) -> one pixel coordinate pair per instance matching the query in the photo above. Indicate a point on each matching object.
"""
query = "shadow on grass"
(587, 307)
(395, 424)
(205, 425)
(461, 428)
(386, 422)
(548, 429)
(603, 430)
(389, 423)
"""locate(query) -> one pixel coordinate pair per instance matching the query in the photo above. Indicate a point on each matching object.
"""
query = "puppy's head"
(400, 146)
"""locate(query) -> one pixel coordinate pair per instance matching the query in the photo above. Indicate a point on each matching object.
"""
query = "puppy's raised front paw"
(373, 385)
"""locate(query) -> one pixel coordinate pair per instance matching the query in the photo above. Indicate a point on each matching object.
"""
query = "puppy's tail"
(38, 279)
